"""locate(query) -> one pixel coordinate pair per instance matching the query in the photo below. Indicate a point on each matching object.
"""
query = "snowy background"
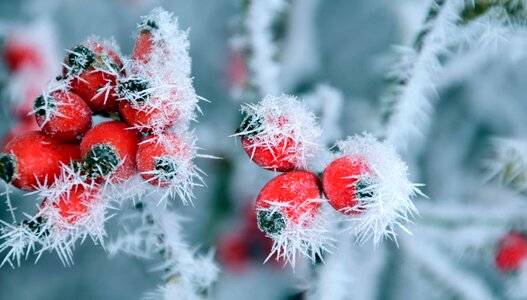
(480, 94)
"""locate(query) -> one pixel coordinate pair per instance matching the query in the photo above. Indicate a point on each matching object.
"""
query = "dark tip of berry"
(137, 87)
(251, 125)
(148, 26)
(7, 167)
(363, 188)
(36, 226)
(100, 161)
(166, 167)
(80, 59)
(271, 222)
(43, 104)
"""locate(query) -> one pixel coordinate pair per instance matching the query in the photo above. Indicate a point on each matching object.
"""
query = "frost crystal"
(390, 205)
(277, 122)
(510, 164)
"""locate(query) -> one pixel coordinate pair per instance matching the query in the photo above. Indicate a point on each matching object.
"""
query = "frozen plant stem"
(407, 104)
(164, 252)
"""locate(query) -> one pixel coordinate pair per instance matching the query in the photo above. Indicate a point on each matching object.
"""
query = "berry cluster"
(142, 107)
(366, 181)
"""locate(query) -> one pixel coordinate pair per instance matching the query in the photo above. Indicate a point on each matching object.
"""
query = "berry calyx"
(109, 149)
(7, 167)
(347, 182)
(288, 198)
(63, 115)
(160, 157)
(251, 125)
(100, 161)
(511, 252)
(79, 59)
(271, 222)
(34, 159)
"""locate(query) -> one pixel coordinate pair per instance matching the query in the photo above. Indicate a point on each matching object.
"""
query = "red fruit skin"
(18, 54)
(275, 159)
(146, 120)
(337, 184)
(295, 188)
(87, 86)
(88, 83)
(27, 124)
(74, 204)
(71, 122)
(511, 252)
(117, 135)
(143, 47)
(38, 157)
(149, 149)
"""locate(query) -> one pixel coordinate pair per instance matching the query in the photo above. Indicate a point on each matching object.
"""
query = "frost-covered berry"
(287, 198)
(35, 159)
(74, 203)
(288, 211)
(162, 158)
(346, 182)
(63, 115)
(511, 252)
(279, 133)
(108, 150)
(93, 68)
(144, 42)
(381, 187)
(141, 108)
(158, 93)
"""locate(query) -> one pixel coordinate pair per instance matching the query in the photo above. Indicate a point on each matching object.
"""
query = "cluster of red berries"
(294, 196)
(94, 81)
(511, 252)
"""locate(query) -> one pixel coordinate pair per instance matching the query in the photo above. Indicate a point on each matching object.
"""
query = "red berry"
(34, 158)
(63, 115)
(511, 252)
(271, 158)
(74, 203)
(276, 155)
(144, 43)
(145, 113)
(19, 54)
(93, 69)
(143, 47)
(294, 189)
(158, 157)
(109, 149)
(146, 119)
(342, 186)
(26, 124)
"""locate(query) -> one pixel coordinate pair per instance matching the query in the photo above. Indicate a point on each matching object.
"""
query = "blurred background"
(335, 54)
